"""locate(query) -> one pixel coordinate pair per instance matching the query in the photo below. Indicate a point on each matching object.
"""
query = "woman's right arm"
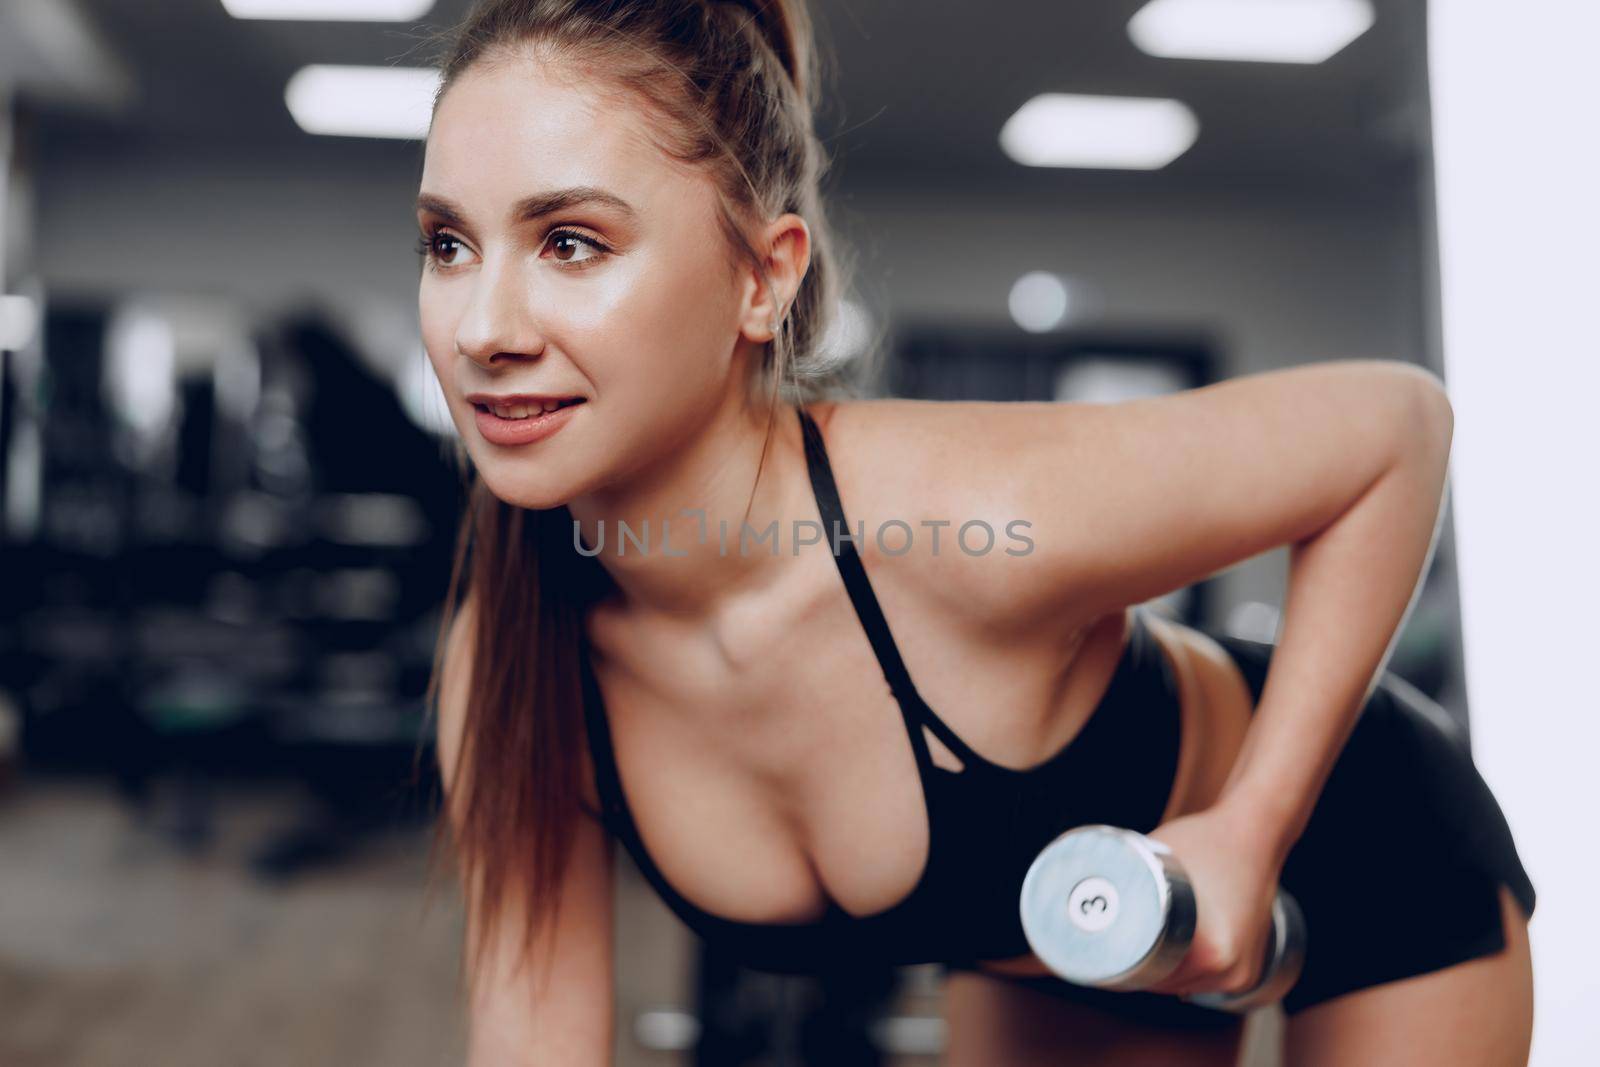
(533, 1015)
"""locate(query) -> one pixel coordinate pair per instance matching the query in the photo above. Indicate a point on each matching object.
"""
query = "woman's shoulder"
(939, 492)
(910, 438)
(929, 434)
(885, 451)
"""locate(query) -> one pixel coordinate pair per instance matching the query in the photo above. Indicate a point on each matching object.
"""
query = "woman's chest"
(769, 798)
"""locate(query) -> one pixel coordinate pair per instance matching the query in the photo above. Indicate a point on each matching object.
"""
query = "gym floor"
(115, 948)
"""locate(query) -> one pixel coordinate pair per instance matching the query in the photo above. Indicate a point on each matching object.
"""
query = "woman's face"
(623, 297)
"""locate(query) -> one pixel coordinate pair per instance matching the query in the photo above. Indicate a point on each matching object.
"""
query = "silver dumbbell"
(1111, 908)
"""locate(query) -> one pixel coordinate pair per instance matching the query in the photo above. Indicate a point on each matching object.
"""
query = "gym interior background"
(227, 508)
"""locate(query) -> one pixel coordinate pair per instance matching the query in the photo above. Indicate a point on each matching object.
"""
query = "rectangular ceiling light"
(1258, 31)
(329, 10)
(363, 101)
(1119, 132)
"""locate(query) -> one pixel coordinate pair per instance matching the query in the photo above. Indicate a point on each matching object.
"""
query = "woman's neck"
(681, 553)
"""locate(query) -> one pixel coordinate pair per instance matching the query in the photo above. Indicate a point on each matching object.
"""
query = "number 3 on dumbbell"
(1111, 908)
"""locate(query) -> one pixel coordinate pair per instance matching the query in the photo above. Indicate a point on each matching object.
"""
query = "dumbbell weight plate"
(1107, 907)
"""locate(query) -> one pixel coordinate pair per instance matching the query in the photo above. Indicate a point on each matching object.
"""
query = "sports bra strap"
(837, 528)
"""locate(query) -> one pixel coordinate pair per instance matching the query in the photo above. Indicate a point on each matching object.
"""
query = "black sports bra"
(986, 822)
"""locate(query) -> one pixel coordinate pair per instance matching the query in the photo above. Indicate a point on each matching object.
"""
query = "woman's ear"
(785, 243)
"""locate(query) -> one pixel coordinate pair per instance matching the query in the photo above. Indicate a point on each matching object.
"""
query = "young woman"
(628, 274)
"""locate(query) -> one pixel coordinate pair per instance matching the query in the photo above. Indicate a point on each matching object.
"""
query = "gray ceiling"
(916, 92)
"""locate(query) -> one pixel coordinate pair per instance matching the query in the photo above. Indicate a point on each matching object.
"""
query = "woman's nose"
(498, 321)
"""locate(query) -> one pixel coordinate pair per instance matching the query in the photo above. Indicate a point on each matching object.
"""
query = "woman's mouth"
(516, 412)
(524, 423)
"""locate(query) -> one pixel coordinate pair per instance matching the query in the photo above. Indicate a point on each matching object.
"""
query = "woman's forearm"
(1350, 588)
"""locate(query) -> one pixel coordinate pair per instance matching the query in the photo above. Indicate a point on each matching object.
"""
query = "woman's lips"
(498, 431)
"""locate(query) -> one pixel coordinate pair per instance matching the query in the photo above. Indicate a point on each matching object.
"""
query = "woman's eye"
(569, 243)
(570, 248)
(441, 248)
(444, 247)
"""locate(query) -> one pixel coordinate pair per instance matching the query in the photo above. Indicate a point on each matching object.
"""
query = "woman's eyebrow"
(535, 206)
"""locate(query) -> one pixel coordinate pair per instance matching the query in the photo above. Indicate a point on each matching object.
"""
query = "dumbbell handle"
(1283, 958)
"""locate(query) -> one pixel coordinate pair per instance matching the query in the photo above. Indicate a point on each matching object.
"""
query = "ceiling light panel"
(1259, 31)
(363, 101)
(1079, 130)
(329, 10)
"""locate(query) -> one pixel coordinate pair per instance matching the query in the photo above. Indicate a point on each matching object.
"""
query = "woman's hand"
(1235, 877)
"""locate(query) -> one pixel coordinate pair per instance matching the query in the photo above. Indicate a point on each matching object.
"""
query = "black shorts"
(1397, 871)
